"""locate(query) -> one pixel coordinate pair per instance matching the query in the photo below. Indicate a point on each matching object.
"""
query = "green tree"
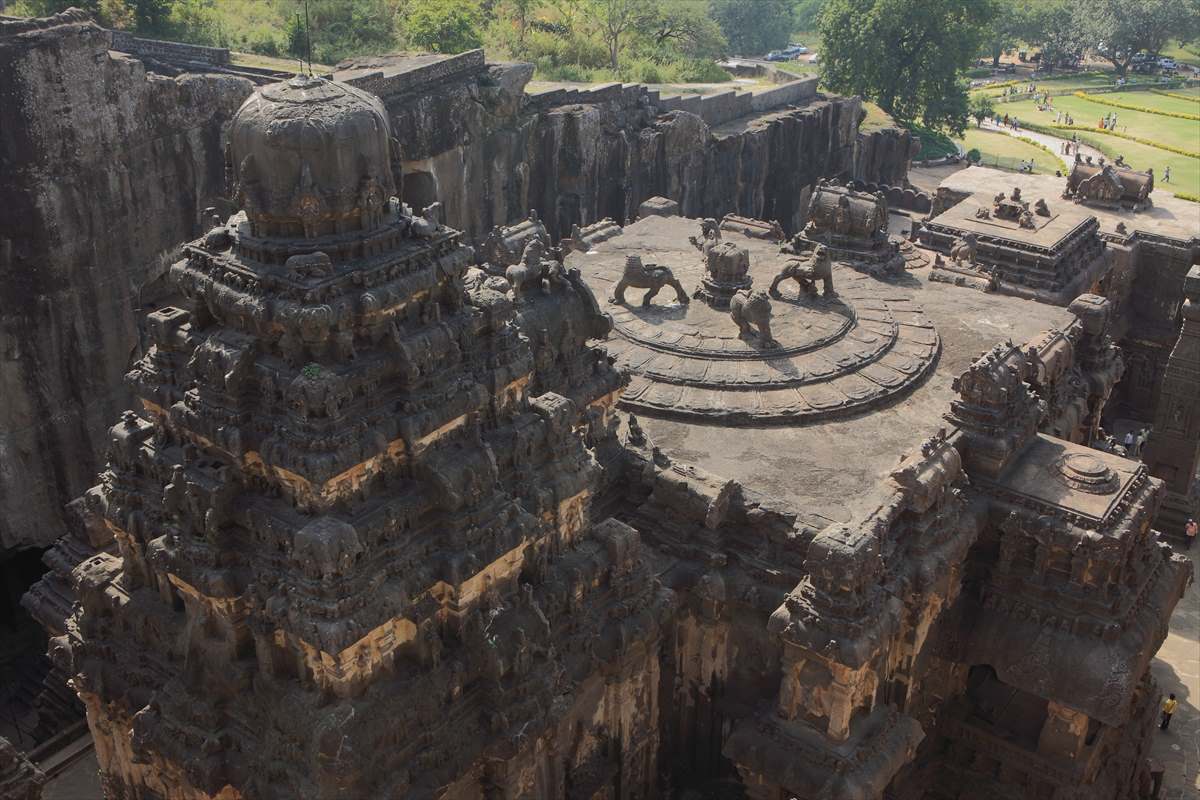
(685, 27)
(1119, 29)
(343, 28)
(1009, 27)
(753, 28)
(906, 55)
(981, 108)
(617, 19)
(444, 26)
(520, 13)
(1058, 29)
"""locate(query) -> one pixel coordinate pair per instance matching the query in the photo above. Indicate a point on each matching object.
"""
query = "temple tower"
(355, 551)
(1173, 450)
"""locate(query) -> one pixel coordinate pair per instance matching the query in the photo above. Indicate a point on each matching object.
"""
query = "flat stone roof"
(1169, 216)
(825, 467)
(1051, 232)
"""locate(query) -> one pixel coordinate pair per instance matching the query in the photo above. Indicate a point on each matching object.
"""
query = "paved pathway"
(1053, 142)
(1177, 669)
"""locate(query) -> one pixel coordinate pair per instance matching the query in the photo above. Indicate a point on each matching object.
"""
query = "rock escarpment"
(106, 169)
(472, 137)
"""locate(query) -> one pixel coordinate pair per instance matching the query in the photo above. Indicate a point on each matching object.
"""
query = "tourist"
(1168, 708)
(1189, 533)
(1167, 174)
(1129, 443)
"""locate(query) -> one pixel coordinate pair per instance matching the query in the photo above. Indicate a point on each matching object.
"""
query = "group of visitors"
(1108, 122)
(1063, 118)
(1011, 91)
(1008, 122)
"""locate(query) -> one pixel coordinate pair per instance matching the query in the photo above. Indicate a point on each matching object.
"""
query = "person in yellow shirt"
(1168, 708)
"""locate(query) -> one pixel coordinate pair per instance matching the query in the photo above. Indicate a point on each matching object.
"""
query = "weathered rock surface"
(106, 169)
(488, 154)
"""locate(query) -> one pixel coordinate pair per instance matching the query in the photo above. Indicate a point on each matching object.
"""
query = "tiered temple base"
(834, 357)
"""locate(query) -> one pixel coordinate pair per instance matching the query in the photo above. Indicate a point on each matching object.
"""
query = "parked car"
(1167, 63)
(798, 49)
(776, 55)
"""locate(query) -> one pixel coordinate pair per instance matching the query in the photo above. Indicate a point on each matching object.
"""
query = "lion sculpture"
(806, 272)
(964, 248)
(751, 309)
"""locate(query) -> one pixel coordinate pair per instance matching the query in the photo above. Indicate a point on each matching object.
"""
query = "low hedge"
(1189, 197)
(1191, 98)
(1091, 98)
(1054, 130)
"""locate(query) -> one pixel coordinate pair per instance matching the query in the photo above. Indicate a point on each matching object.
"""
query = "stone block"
(658, 207)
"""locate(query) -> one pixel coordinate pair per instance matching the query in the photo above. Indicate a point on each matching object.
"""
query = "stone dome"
(311, 158)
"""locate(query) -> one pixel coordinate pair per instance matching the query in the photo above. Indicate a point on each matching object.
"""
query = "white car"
(1167, 63)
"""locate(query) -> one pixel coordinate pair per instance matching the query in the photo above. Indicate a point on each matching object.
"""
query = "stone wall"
(169, 51)
(106, 170)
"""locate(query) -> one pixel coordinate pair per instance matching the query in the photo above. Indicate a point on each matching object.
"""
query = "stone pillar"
(1063, 733)
(1100, 359)
(1173, 450)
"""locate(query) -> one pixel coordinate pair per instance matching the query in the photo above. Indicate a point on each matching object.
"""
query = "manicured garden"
(1007, 152)
(1173, 132)
(1161, 140)
(1185, 172)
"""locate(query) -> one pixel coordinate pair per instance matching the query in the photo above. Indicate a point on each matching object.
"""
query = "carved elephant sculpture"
(641, 276)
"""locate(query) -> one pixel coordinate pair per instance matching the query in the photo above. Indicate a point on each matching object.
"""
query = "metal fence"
(1009, 163)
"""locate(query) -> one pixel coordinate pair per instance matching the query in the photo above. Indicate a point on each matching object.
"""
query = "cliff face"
(105, 171)
(475, 142)
(882, 156)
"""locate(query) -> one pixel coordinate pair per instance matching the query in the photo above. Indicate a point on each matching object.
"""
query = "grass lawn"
(797, 68)
(1183, 133)
(934, 144)
(1000, 149)
(1158, 102)
(1189, 54)
(876, 117)
(1061, 84)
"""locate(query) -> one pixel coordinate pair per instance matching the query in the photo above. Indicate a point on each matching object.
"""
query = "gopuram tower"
(357, 553)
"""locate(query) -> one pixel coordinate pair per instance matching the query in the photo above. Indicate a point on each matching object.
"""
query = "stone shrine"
(1108, 185)
(393, 516)
(853, 226)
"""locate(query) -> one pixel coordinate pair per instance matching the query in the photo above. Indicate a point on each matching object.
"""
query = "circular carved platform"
(835, 357)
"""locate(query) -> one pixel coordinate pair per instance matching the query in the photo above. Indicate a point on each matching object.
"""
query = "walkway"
(1177, 669)
(1052, 142)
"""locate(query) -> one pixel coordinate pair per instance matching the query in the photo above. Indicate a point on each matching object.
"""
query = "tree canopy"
(906, 55)
(1119, 29)
(754, 28)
